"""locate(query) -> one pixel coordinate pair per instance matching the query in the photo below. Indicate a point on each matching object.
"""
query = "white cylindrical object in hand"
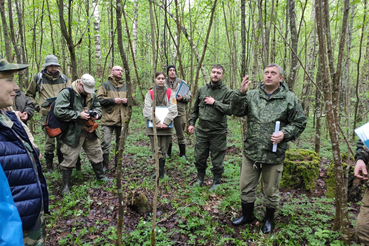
(277, 123)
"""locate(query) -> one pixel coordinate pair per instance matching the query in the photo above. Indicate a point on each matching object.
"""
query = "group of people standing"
(270, 102)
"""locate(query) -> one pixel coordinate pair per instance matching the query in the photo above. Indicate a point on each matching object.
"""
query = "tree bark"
(97, 38)
(294, 43)
(7, 41)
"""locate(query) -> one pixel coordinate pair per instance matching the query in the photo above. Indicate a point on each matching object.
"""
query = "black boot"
(67, 175)
(161, 169)
(105, 162)
(200, 177)
(216, 181)
(99, 172)
(49, 157)
(268, 221)
(60, 156)
(169, 152)
(182, 151)
(78, 164)
(247, 215)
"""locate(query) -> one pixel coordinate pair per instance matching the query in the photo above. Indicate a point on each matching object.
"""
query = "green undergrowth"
(186, 215)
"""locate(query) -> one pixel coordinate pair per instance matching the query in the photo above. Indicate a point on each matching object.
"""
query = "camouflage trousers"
(250, 174)
(90, 144)
(37, 236)
(362, 223)
(163, 143)
(214, 144)
(179, 124)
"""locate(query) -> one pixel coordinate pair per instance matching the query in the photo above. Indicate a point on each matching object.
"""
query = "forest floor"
(186, 215)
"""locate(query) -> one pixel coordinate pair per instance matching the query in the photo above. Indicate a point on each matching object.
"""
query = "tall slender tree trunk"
(97, 38)
(7, 41)
(294, 43)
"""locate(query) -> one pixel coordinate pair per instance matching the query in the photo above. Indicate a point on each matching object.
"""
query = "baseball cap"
(88, 83)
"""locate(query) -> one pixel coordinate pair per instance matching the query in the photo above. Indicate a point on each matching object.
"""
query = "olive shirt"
(181, 105)
(212, 118)
(112, 114)
(262, 113)
(161, 100)
(49, 87)
(72, 116)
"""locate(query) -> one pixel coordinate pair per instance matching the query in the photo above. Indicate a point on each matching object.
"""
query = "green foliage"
(300, 169)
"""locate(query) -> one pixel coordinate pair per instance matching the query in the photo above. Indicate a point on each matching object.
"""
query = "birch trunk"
(96, 14)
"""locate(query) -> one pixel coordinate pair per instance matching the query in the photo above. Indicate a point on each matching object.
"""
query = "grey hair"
(276, 65)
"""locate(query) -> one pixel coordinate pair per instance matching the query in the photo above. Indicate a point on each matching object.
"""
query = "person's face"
(117, 72)
(8, 88)
(81, 89)
(52, 69)
(160, 80)
(172, 73)
(272, 77)
(216, 75)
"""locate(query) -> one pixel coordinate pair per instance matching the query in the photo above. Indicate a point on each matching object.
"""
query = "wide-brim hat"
(51, 60)
(88, 83)
(5, 66)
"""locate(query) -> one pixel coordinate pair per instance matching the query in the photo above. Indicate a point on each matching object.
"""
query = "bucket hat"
(51, 60)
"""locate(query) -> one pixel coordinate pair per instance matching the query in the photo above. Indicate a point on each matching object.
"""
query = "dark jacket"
(23, 103)
(28, 185)
(212, 118)
(62, 111)
(262, 113)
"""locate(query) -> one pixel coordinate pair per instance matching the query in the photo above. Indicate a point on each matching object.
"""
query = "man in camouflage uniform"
(112, 96)
(23, 106)
(270, 102)
(48, 83)
(82, 131)
(173, 82)
(211, 107)
(361, 172)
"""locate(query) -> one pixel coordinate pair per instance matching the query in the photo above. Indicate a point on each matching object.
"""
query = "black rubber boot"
(49, 158)
(247, 215)
(169, 152)
(200, 177)
(67, 175)
(99, 172)
(216, 181)
(78, 164)
(268, 221)
(161, 169)
(105, 162)
(60, 156)
(182, 151)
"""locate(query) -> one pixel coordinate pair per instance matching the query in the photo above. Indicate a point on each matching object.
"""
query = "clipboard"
(160, 112)
(183, 89)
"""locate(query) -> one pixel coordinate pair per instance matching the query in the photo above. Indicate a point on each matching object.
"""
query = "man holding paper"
(183, 96)
(271, 102)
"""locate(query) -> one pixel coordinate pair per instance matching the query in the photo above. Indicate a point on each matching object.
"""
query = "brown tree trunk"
(294, 43)
(7, 41)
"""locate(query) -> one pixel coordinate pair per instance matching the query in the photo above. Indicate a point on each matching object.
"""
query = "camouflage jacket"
(49, 87)
(262, 113)
(112, 114)
(212, 118)
(362, 152)
(181, 105)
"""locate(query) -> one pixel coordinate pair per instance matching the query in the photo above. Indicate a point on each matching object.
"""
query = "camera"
(91, 113)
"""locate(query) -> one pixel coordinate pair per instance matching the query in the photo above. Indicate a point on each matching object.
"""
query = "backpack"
(55, 126)
(39, 81)
(169, 91)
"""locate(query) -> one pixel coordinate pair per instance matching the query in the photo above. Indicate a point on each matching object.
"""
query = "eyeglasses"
(120, 70)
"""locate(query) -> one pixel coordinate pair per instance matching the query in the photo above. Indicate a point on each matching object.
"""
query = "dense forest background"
(323, 47)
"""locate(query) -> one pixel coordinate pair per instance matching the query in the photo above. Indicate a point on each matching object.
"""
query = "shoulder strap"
(39, 81)
(72, 95)
(169, 91)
